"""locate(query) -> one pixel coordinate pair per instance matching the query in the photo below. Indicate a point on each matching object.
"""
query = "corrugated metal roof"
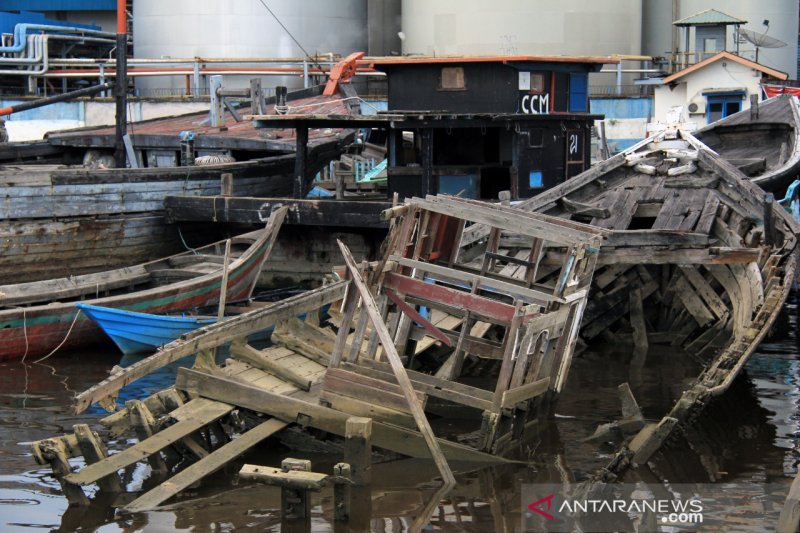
(708, 17)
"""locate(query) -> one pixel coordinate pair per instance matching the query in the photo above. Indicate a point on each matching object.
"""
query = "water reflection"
(746, 438)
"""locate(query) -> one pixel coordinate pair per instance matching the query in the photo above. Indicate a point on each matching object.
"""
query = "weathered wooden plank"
(254, 357)
(449, 275)
(512, 397)
(202, 412)
(438, 388)
(210, 337)
(692, 302)
(705, 291)
(397, 367)
(208, 465)
(510, 219)
(491, 310)
(288, 409)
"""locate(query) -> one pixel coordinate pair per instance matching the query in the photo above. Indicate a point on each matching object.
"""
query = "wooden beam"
(417, 318)
(244, 352)
(389, 351)
(208, 465)
(493, 310)
(210, 337)
(289, 409)
(204, 412)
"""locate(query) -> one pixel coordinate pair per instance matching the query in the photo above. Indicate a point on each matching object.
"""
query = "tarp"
(775, 90)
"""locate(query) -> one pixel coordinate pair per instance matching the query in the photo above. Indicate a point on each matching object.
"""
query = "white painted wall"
(93, 113)
(723, 74)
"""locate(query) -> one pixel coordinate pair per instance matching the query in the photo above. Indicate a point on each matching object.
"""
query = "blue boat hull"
(136, 333)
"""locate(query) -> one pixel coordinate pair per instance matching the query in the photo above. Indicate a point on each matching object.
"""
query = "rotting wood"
(210, 337)
(293, 410)
(202, 412)
(208, 465)
(397, 367)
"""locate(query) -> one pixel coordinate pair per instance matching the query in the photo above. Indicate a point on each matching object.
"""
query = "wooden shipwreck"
(316, 378)
(698, 258)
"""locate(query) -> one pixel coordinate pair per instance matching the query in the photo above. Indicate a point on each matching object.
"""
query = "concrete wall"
(724, 75)
(33, 124)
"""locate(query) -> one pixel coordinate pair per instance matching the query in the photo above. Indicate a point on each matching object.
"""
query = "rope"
(74, 320)
(25, 331)
(180, 234)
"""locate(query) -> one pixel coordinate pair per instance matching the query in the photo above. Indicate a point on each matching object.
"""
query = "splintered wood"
(424, 293)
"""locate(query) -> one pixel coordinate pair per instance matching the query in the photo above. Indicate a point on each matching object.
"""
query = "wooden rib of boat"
(699, 258)
(39, 317)
(62, 219)
(135, 332)
(763, 141)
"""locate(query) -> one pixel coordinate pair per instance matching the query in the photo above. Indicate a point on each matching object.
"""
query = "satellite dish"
(761, 40)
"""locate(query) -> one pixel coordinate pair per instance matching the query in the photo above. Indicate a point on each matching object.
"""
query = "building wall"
(31, 125)
(725, 75)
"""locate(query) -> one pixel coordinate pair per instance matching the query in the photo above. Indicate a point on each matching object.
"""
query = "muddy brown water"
(747, 439)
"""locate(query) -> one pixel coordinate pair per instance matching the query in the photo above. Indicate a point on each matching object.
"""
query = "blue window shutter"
(578, 92)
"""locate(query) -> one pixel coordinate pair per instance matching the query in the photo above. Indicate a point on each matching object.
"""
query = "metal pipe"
(121, 86)
(87, 91)
(21, 30)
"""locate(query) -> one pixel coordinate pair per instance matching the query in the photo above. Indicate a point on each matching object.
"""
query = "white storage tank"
(509, 27)
(244, 29)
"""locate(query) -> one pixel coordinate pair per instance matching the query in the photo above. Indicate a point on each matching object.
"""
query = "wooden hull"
(136, 333)
(41, 328)
(764, 145)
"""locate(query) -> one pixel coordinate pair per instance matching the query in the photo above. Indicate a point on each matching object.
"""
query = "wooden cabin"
(518, 123)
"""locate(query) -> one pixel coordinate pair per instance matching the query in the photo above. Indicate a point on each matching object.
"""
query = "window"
(720, 106)
(537, 82)
(452, 79)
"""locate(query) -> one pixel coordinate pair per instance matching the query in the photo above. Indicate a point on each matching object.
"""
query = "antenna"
(761, 40)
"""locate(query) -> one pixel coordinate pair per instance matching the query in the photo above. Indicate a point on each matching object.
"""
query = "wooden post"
(93, 451)
(341, 491)
(226, 184)
(368, 304)
(300, 162)
(54, 451)
(223, 286)
(427, 162)
(145, 427)
(358, 449)
(295, 503)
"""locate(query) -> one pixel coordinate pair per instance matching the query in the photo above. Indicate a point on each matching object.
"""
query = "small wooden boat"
(135, 333)
(763, 142)
(40, 317)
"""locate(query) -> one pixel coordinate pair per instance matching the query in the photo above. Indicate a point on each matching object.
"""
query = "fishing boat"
(699, 259)
(135, 332)
(39, 318)
(70, 213)
(762, 141)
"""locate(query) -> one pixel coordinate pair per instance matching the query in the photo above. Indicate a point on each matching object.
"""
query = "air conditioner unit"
(697, 106)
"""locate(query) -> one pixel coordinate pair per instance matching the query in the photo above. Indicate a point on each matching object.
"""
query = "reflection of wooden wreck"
(698, 258)
(315, 378)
